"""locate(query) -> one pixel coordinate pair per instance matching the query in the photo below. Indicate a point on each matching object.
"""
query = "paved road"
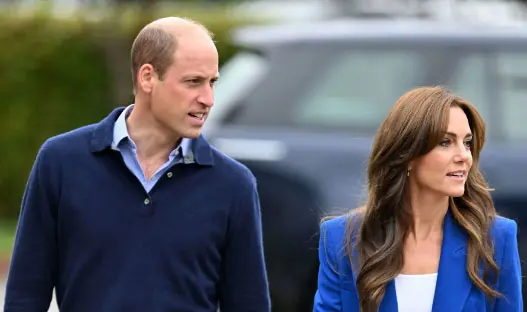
(53, 306)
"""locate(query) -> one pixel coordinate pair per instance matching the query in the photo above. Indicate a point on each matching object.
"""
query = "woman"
(428, 238)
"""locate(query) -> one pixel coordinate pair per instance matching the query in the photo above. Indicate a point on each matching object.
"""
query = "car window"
(351, 88)
(511, 71)
(469, 80)
(237, 78)
(496, 83)
(359, 88)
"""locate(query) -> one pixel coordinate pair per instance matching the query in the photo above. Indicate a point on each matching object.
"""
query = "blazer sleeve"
(327, 297)
(510, 278)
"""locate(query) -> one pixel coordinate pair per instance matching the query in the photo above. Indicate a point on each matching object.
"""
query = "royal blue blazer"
(454, 292)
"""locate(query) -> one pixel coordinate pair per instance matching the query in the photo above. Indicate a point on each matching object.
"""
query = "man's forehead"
(195, 49)
(197, 67)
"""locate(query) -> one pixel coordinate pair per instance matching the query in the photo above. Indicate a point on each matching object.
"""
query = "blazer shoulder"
(503, 229)
(333, 230)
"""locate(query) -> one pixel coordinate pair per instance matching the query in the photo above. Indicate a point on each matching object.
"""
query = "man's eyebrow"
(200, 77)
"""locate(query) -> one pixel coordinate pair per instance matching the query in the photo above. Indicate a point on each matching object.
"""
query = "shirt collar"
(120, 132)
(102, 137)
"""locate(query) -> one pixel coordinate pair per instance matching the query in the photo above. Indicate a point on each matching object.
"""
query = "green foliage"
(54, 77)
(7, 236)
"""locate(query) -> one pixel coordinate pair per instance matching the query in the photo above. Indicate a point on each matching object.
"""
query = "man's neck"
(151, 139)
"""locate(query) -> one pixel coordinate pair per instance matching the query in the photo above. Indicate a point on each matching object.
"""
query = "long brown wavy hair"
(414, 126)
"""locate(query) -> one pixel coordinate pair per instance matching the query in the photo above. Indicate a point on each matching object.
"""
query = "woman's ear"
(409, 168)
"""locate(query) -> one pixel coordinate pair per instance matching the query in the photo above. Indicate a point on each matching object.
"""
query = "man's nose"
(207, 96)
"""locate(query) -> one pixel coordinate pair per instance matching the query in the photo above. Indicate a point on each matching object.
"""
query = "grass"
(7, 236)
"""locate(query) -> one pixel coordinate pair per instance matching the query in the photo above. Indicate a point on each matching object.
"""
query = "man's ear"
(146, 78)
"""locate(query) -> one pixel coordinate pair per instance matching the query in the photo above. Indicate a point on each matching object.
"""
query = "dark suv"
(300, 106)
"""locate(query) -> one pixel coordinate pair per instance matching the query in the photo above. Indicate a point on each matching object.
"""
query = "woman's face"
(445, 168)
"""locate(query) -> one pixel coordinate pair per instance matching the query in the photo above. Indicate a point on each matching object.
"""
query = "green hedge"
(54, 78)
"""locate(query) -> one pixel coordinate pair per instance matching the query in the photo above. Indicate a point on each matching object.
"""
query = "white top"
(415, 293)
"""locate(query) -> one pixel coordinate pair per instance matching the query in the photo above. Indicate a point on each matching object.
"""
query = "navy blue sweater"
(88, 228)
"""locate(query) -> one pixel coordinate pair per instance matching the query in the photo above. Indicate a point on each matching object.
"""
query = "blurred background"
(304, 86)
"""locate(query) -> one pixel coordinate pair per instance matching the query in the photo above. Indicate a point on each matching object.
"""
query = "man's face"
(182, 100)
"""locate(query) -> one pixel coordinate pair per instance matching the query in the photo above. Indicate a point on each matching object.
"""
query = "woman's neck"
(428, 213)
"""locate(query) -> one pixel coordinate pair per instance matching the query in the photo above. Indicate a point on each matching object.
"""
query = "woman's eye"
(445, 143)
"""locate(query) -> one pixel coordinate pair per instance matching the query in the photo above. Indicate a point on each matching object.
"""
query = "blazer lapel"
(389, 301)
(453, 283)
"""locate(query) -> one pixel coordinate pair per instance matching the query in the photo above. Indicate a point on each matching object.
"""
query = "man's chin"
(192, 134)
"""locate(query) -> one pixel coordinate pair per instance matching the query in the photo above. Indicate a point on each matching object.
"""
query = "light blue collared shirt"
(123, 143)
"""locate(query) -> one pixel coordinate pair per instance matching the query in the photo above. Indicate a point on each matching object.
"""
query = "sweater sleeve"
(33, 268)
(244, 286)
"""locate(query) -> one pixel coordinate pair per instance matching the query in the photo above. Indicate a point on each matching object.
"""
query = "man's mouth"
(197, 115)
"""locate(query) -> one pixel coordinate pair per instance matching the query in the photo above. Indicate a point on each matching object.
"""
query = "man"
(139, 212)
